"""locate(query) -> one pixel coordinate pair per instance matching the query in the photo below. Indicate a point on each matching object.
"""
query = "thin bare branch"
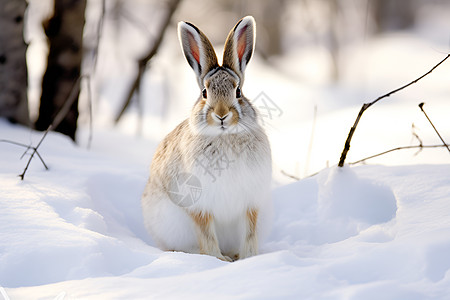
(89, 91)
(416, 136)
(28, 148)
(64, 110)
(396, 149)
(22, 176)
(367, 105)
(290, 175)
(99, 34)
(134, 20)
(437, 132)
(142, 63)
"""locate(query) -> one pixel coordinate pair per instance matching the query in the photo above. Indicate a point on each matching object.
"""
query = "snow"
(378, 231)
(76, 231)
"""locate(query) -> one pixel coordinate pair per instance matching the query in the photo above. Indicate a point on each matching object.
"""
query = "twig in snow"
(22, 176)
(290, 176)
(396, 149)
(415, 135)
(59, 117)
(367, 105)
(443, 142)
(28, 148)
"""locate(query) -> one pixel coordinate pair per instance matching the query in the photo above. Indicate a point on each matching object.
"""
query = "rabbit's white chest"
(232, 181)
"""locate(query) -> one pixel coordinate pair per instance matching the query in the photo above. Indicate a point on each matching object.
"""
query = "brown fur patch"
(199, 106)
(201, 219)
(221, 110)
(206, 238)
(252, 215)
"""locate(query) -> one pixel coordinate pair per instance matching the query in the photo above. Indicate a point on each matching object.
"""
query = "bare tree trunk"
(65, 33)
(13, 66)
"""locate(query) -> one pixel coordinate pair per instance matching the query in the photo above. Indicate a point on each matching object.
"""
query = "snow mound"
(333, 207)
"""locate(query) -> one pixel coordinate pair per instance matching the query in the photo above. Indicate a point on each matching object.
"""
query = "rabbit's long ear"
(197, 49)
(239, 46)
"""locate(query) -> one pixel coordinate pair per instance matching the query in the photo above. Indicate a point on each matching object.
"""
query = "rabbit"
(226, 208)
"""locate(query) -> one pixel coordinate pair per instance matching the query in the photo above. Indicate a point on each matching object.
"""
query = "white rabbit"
(220, 157)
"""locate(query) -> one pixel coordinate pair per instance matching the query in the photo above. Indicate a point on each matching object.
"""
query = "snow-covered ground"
(76, 232)
(378, 231)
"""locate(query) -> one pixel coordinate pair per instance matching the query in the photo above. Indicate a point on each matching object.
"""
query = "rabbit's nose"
(221, 118)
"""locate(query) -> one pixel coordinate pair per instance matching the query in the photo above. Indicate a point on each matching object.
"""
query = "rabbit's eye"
(238, 92)
(204, 93)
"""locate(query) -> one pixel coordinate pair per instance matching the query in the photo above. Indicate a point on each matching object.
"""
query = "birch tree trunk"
(13, 66)
(65, 33)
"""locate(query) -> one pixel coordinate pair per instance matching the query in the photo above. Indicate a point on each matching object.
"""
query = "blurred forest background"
(118, 64)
